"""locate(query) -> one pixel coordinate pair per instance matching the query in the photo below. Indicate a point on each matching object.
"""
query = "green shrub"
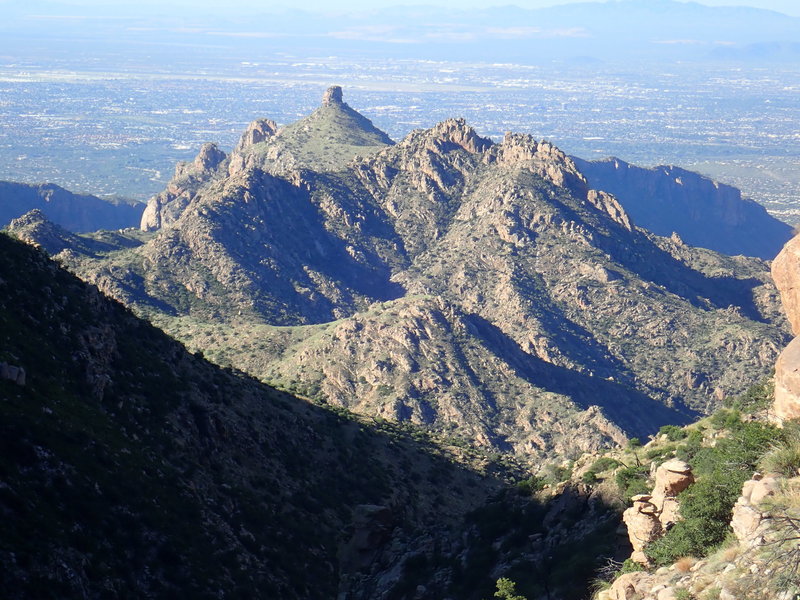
(757, 397)
(589, 478)
(782, 458)
(673, 432)
(706, 506)
(530, 485)
(693, 443)
(632, 481)
(604, 464)
(507, 590)
(630, 566)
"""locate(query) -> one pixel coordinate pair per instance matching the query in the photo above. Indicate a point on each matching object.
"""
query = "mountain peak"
(326, 140)
(456, 131)
(333, 95)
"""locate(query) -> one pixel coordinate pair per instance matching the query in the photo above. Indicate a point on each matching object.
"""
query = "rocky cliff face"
(74, 212)
(703, 212)
(470, 286)
(786, 273)
(165, 208)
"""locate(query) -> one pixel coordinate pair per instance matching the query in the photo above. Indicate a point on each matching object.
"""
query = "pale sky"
(789, 7)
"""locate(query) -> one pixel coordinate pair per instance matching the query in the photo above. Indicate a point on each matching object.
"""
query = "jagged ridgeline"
(474, 287)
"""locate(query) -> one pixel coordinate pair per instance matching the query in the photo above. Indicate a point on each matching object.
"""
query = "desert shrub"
(783, 457)
(601, 464)
(691, 445)
(530, 485)
(632, 481)
(673, 432)
(757, 397)
(725, 418)
(604, 464)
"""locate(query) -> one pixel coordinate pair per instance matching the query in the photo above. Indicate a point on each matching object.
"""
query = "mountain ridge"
(527, 268)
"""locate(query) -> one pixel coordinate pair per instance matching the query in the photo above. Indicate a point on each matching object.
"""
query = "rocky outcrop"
(786, 274)
(166, 207)
(12, 373)
(74, 212)
(644, 526)
(257, 132)
(667, 199)
(787, 383)
(750, 521)
(34, 228)
(671, 478)
(333, 95)
(628, 587)
(651, 515)
(754, 566)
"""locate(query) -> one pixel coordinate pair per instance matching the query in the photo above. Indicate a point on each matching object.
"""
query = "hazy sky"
(791, 7)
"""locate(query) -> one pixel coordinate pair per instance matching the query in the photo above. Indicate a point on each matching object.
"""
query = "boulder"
(672, 478)
(748, 521)
(631, 586)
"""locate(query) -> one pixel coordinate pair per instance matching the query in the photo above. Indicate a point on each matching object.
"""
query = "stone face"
(166, 207)
(787, 383)
(258, 131)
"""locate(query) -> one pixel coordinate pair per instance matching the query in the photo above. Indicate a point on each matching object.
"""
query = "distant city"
(120, 132)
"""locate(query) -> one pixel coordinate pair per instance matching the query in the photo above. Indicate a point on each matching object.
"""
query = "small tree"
(507, 590)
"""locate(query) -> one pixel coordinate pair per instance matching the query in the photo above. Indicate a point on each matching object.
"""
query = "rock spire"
(333, 96)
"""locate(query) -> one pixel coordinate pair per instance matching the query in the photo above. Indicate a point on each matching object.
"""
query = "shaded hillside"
(75, 212)
(468, 285)
(133, 468)
(701, 211)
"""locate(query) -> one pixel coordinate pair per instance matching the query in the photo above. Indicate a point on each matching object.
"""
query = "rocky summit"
(482, 289)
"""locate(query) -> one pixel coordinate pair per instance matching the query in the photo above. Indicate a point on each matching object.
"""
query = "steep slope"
(505, 297)
(701, 211)
(74, 212)
(133, 468)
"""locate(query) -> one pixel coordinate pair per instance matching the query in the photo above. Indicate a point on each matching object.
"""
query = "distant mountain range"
(656, 29)
(705, 213)
(479, 289)
(76, 212)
